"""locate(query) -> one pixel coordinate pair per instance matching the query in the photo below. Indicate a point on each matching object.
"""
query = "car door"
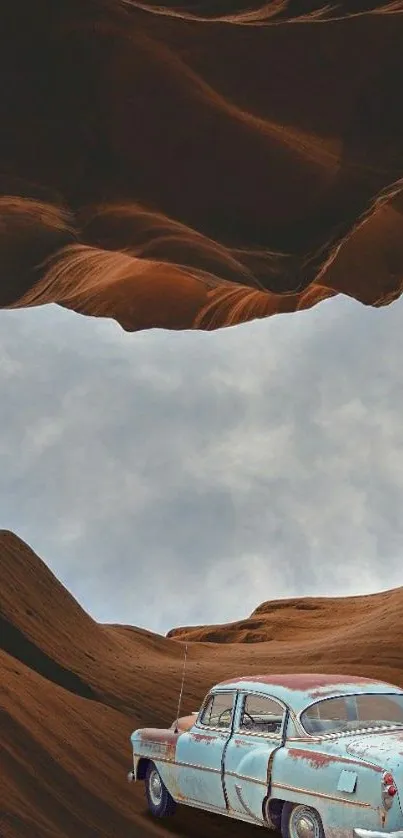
(258, 732)
(200, 752)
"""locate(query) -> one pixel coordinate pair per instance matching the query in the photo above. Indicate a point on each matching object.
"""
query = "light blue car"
(315, 756)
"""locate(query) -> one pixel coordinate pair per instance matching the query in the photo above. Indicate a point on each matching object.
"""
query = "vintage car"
(310, 755)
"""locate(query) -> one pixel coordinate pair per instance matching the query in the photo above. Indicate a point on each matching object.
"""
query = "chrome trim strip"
(201, 727)
(217, 690)
(323, 796)
(156, 758)
(198, 767)
(360, 730)
(244, 778)
(248, 811)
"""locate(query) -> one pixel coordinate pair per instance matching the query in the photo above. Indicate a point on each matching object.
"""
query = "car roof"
(299, 690)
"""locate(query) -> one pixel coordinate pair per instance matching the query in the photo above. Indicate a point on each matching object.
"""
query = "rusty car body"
(316, 756)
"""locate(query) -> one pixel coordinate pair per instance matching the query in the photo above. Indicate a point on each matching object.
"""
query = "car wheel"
(160, 802)
(299, 821)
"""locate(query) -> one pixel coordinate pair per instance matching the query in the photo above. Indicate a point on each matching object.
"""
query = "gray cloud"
(171, 479)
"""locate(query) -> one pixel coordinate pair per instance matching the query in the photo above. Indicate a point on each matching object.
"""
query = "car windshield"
(353, 712)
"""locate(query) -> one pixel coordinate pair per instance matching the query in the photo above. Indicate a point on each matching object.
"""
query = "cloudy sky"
(171, 479)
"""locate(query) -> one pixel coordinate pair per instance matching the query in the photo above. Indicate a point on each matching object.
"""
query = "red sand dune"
(195, 169)
(72, 691)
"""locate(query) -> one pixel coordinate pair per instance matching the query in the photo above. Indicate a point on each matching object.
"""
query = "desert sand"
(180, 167)
(72, 691)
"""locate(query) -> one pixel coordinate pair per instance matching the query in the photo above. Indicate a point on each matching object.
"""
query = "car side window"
(218, 710)
(261, 714)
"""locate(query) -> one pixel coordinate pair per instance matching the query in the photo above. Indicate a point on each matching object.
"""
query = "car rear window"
(353, 712)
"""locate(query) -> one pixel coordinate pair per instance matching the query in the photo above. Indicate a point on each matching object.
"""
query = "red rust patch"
(315, 759)
(318, 760)
(303, 681)
(201, 737)
(163, 737)
(328, 689)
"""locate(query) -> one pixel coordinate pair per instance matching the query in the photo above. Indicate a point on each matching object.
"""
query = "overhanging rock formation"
(181, 170)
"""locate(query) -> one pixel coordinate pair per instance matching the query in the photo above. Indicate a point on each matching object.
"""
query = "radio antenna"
(181, 692)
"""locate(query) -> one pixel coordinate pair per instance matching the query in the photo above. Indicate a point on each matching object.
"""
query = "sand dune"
(169, 165)
(72, 691)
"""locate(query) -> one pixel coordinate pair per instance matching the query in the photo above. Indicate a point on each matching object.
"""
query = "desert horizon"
(73, 691)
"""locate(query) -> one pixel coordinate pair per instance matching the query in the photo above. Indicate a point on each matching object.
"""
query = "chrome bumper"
(370, 833)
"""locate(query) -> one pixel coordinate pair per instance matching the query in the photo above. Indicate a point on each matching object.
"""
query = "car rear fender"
(344, 792)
